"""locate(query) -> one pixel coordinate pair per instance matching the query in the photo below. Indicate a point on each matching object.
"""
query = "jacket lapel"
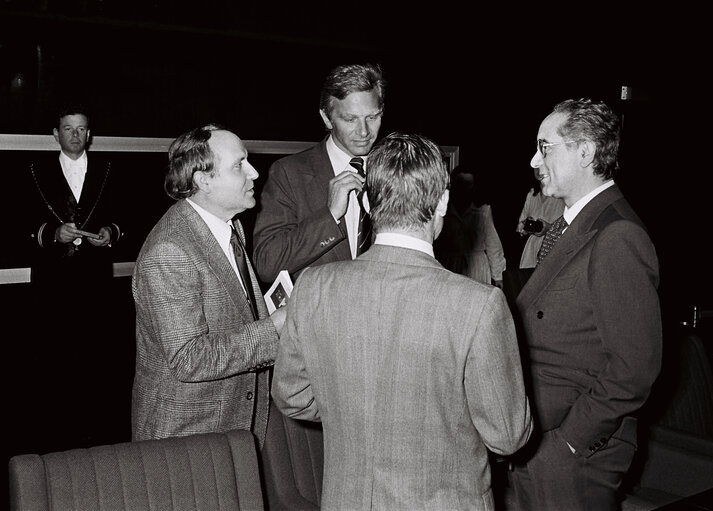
(261, 307)
(577, 235)
(214, 255)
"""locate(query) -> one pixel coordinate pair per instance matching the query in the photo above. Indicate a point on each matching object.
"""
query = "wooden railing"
(277, 148)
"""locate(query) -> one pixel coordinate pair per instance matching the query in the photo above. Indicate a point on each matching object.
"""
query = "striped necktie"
(551, 237)
(364, 234)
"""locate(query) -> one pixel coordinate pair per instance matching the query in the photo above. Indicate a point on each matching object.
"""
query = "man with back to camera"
(310, 212)
(204, 345)
(420, 376)
(591, 318)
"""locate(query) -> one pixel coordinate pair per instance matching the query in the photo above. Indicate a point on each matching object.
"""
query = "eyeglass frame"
(542, 145)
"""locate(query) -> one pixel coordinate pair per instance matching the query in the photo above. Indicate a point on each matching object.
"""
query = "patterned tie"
(242, 263)
(364, 234)
(551, 237)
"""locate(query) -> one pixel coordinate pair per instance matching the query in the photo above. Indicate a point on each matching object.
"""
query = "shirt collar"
(220, 229)
(68, 163)
(403, 241)
(571, 213)
(338, 158)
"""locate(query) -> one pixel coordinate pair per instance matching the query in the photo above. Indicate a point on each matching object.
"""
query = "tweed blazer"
(201, 359)
(591, 316)
(414, 372)
(293, 226)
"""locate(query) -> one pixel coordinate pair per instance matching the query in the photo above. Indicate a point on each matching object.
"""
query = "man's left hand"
(104, 238)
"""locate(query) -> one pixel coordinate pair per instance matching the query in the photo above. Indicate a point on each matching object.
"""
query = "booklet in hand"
(278, 293)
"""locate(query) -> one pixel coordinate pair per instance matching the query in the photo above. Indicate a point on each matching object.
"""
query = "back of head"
(188, 154)
(595, 121)
(345, 79)
(405, 182)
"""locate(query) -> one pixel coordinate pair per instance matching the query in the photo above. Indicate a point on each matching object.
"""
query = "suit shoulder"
(618, 215)
(458, 281)
(301, 158)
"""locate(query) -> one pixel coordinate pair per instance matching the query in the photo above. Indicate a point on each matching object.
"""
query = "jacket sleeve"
(196, 325)
(494, 382)
(288, 235)
(291, 386)
(623, 280)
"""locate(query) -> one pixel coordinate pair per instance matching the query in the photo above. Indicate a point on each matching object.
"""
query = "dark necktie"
(364, 234)
(241, 260)
(551, 237)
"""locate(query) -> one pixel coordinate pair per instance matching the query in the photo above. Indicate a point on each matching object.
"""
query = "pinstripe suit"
(414, 380)
(592, 322)
(201, 359)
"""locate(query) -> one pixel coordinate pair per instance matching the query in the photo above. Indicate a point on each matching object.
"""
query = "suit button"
(540, 314)
(249, 396)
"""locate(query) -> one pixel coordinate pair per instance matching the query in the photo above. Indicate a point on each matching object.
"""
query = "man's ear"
(443, 203)
(55, 132)
(201, 180)
(586, 151)
(325, 118)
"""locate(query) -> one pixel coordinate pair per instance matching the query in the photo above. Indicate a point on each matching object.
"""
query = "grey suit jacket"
(592, 319)
(201, 359)
(414, 372)
(294, 227)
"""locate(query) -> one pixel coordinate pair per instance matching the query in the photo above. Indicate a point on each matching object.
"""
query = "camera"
(533, 226)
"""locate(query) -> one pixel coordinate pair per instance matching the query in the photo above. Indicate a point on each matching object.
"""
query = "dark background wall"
(481, 78)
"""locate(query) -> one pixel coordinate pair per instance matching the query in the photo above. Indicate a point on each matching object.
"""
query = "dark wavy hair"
(595, 121)
(72, 108)
(406, 178)
(345, 79)
(188, 154)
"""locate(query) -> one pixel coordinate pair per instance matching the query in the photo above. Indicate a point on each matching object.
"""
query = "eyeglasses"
(542, 145)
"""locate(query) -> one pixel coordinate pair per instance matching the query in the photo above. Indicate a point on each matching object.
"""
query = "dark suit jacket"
(54, 204)
(294, 227)
(592, 320)
(201, 358)
(413, 384)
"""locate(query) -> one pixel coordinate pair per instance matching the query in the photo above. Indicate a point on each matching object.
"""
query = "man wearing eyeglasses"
(592, 321)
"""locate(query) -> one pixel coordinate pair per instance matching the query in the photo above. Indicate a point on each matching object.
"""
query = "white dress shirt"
(571, 213)
(340, 163)
(222, 232)
(74, 172)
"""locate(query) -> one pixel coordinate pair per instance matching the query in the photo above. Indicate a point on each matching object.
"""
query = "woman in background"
(541, 211)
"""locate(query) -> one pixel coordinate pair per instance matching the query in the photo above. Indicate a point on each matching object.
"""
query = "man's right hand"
(339, 188)
(67, 233)
(278, 318)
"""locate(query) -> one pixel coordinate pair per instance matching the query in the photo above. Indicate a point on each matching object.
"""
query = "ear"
(443, 203)
(586, 151)
(325, 118)
(202, 181)
(55, 132)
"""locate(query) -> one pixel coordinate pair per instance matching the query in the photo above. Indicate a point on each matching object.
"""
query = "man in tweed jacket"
(202, 358)
(414, 371)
